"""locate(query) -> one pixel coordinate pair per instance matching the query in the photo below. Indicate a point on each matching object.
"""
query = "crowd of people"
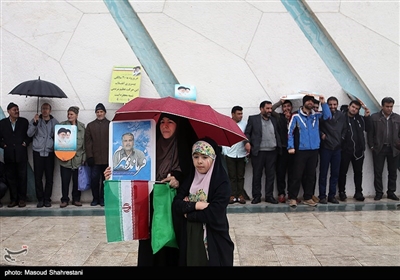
(17, 133)
(288, 145)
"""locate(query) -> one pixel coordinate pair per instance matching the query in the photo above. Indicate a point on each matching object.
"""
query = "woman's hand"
(107, 173)
(173, 182)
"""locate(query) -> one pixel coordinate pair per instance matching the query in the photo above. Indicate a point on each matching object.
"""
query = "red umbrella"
(204, 119)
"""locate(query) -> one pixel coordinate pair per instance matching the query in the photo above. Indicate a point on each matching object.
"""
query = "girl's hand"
(201, 205)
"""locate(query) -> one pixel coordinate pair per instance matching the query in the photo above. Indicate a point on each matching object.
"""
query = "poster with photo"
(185, 92)
(65, 137)
(132, 150)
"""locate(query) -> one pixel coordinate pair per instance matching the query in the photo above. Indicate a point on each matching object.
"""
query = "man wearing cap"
(69, 168)
(96, 146)
(304, 142)
(41, 129)
(15, 141)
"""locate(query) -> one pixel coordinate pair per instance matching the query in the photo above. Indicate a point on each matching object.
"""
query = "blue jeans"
(326, 158)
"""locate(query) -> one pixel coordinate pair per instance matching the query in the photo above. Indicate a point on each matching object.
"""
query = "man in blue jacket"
(304, 142)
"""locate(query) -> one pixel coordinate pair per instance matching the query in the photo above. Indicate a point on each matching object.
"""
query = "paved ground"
(349, 234)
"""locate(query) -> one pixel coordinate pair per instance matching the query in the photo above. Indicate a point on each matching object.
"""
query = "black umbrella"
(39, 88)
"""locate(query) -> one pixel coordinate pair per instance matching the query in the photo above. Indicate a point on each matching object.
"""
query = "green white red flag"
(127, 209)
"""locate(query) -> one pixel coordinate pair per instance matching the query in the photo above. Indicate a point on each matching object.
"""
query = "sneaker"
(359, 197)
(323, 201)
(292, 202)
(232, 199)
(282, 198)
(310, 202)
(342, 196)
(315, 199)
(392, 196)
(241, 199)
(333, 200)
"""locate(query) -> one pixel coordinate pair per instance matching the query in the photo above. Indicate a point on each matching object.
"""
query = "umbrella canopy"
(39, 88)
(204, 119)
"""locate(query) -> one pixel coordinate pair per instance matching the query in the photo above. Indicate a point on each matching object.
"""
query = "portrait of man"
(133, 150)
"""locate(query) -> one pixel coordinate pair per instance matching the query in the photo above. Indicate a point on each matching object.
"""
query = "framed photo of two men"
(132, 150)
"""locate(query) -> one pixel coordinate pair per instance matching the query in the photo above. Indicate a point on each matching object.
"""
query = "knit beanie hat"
(100, 106)
(74, 109)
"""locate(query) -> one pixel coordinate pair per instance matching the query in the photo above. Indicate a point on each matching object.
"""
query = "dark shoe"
(1, 205)
(232, 199)
(323, 201)
(12, 204)
(378, 197)
(21, 203)
(77, 203)
(392, 196)
(241, 199)
(101, 203)
(270, 199)
(282, 198)
(63, 204)
(47, 204)
(94, 203)
(333, 200)
(256, 200)
(39, 204)
(342, 196)
(359, 197)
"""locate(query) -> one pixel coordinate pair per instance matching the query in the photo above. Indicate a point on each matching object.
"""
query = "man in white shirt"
(236, 158)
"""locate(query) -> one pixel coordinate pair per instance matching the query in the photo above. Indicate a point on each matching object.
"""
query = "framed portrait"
(132, 150)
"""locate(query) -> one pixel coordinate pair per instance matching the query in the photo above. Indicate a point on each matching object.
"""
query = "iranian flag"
(127, 209)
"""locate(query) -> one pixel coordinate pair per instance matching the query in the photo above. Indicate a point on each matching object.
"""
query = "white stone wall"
(234, 52)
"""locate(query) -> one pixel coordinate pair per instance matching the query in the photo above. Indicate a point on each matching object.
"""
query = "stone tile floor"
(349, 234)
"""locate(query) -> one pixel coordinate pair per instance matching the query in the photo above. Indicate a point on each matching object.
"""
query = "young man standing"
(332, 132)
(383, 139)
(353, 148)
(304, 142)
(235, 157)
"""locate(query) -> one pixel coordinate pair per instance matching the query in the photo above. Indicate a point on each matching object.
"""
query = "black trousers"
(265, 160)
(17, 174)
(305, 162)
(97, 181)
(357, 164)
(386, 154)
(43, 165)
(284, 165)
(66, 174)
(236, 169)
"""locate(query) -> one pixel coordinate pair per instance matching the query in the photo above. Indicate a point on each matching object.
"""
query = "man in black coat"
(15, 141)
(263, 146)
